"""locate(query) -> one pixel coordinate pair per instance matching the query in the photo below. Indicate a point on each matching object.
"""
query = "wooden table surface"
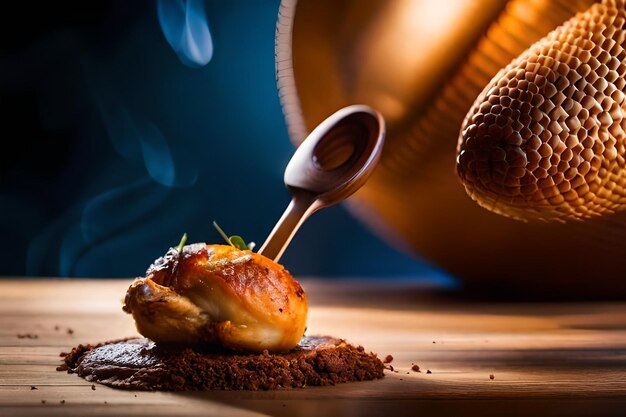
(546, 359)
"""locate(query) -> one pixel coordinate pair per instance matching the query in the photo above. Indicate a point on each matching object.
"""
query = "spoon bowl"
(333, 162)
(339, 155)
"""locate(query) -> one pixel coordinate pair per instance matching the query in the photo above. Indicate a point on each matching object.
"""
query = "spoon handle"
(302, 205)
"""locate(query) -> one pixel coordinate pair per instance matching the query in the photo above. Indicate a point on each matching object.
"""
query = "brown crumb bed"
(139, 364)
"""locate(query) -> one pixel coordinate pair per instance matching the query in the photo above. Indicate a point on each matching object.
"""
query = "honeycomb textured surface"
(546, 138)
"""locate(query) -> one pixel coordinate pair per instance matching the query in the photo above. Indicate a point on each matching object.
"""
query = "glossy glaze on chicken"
(219, 295)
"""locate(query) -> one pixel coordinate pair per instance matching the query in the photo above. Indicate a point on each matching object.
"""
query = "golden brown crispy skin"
(217, 294)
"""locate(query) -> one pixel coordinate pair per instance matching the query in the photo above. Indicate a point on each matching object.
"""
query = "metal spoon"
(332, 163)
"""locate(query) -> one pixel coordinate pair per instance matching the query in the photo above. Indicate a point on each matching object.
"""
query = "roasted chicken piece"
(218, 295)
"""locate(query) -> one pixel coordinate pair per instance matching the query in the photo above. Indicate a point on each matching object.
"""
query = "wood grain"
(557, 359)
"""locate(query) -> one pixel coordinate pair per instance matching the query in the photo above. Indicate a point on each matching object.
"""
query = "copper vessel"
(422, 63)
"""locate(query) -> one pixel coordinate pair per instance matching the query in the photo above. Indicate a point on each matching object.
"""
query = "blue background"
(122, 147)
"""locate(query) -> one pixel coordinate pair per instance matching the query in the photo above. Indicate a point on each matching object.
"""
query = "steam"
(103, 215)
(142, 141)
(185, 26)
(88, 228)
(157, 156)
(111, 216)
(122, 206)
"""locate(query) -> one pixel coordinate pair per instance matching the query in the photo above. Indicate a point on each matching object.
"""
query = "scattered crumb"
(408, 373)
(43, 401)
(434, 341)
(70, 331)
(32, 387)
(492, 376)
(401, 379)
(27, 336)
(135, 395)
(284, 405)
(106, 402)
(57, 328)
(415, 368)
(428, 371)
(93, 387)
(391, 368)
(62, 367)
(62, 401)
(388, 359)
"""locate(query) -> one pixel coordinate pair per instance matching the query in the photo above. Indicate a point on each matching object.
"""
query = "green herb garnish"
(238, 242)
(183, 240)
(234, 241)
